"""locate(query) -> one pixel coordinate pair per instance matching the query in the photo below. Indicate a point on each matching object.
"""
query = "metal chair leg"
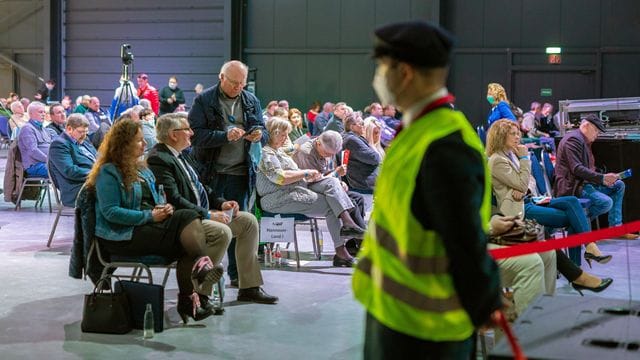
(19, 200)
(166, 276)
(295, 245)
(55, 225)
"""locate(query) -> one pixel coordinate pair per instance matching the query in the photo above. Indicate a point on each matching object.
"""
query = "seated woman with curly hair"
(133, 220)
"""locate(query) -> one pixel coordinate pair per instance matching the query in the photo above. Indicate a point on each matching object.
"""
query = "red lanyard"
(445, 100)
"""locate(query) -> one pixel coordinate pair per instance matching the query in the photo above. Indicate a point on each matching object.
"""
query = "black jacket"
(210, 133)
(177, 187)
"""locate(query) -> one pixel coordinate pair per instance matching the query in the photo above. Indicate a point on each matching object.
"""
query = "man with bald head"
(226, 122)
(99, 122)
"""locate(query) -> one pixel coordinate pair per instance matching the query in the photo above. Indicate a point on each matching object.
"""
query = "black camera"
(125, 54)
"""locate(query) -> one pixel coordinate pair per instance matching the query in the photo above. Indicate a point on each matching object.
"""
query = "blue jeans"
(564, 211)
(37, 170)
(232, 187)
(605, 199)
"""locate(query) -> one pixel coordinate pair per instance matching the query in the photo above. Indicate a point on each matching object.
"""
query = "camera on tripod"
(125, 54)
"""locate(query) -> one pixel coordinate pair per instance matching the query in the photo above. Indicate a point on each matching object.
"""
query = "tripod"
(125, 95)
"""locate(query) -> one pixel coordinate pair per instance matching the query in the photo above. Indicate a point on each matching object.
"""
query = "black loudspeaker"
(571, 327)
(616, 155)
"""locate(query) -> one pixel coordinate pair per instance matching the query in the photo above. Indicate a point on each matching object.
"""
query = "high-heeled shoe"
(189, 306)
(604, 283)
(205, 273)
(602, 259)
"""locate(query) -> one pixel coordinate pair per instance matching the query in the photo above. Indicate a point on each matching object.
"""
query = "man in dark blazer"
(222, 220)
(71, 158)
(576, 174)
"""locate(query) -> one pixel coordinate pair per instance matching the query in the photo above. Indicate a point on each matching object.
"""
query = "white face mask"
(173, 85)
(382, 89)
(50, 87)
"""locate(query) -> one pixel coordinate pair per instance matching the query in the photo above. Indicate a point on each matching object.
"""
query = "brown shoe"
(629, 236)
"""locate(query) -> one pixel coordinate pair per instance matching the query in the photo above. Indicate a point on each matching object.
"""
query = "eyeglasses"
(236, 83)
(183, 129)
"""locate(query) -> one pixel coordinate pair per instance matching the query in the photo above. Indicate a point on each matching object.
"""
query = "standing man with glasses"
(226, 120)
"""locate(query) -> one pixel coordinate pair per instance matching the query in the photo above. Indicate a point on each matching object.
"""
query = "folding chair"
(62, 210)
(39, 182)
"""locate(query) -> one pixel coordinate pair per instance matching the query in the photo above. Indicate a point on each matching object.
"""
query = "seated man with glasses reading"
(71, 158)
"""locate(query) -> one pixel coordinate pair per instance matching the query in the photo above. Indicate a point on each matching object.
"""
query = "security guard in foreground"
(425, 277)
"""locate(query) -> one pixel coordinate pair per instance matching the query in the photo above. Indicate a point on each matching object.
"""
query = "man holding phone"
(226, 121)
(576, 173)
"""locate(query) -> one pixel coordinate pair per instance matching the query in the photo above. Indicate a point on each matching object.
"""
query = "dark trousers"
(232, 187)
(566, 267)
(382, 342)
(357, 212)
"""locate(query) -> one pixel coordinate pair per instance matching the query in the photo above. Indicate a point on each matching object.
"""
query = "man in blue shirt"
(34, 141)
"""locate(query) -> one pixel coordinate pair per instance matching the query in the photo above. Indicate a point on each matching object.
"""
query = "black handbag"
(106, 312)
(140, 294)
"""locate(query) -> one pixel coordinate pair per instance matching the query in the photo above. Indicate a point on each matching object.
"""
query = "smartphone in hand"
(625, 174)
(251, 130)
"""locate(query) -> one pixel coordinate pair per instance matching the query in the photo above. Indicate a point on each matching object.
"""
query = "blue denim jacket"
(117, 209)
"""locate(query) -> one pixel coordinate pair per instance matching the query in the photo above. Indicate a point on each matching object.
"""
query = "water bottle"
(148, 328)
(217, 298)
(162, 196)
(267, 255)
(278, 256)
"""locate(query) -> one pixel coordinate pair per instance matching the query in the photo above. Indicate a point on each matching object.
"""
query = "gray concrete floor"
(316, 318)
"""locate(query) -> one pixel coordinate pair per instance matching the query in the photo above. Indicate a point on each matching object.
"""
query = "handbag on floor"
(140, 294)
(106, 312)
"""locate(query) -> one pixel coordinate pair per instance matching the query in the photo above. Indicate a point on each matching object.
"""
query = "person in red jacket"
(147, 91)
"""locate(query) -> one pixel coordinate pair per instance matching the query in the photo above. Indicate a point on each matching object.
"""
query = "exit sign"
(555, 59)
(546, 92)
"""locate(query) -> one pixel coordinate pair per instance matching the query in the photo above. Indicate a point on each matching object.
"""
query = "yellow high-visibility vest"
(402, 277)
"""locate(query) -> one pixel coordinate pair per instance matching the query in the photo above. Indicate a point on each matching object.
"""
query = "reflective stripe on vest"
(402, 278)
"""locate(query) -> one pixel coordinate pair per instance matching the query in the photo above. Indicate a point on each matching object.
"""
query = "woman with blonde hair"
(513, 184)
(372, 131)
(500, 105)
(132, 218)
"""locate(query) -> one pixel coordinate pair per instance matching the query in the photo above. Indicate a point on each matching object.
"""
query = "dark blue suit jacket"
(69, 166)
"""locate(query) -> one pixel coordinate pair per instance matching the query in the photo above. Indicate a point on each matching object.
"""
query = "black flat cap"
(415, 42)
(595, 120)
